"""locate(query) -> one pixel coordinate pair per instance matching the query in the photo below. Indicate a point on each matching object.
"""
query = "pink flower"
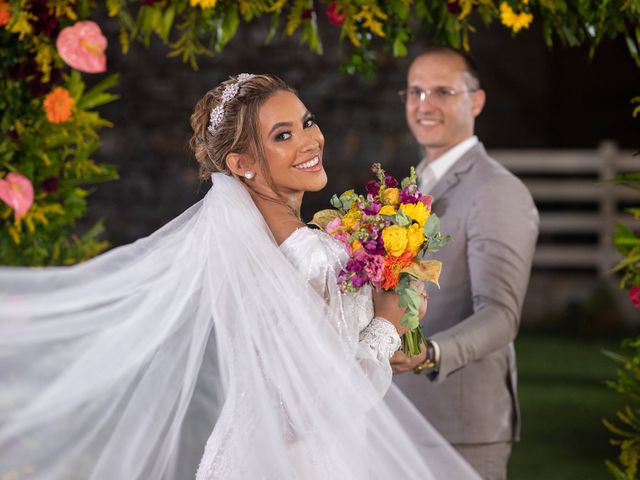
(82, 47)
(374, 268)
(16, 191)
(634, 295)
(333, 225)
(343, 238)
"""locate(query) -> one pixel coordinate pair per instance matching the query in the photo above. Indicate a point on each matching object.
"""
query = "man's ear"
(477, 102)
(239, 164)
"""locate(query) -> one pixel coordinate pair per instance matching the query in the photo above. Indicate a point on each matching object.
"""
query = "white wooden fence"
(564, 184)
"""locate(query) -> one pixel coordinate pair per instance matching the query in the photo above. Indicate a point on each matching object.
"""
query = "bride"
(219, 346)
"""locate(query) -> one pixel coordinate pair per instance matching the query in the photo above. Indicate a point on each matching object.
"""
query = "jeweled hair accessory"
(217, 114)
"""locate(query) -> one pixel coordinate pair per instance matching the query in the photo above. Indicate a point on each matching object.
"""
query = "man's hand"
(401, 363)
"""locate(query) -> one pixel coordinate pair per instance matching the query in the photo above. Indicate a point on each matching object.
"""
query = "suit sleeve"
(502, 228)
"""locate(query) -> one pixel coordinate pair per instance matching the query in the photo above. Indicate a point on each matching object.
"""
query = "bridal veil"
(121, 367)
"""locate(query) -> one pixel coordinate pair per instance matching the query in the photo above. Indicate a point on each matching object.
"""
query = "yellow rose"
(417, 212)
(355, 245)
(415, 238)
(387, 210)
(395, 240)
(391, 196)
(351, 218)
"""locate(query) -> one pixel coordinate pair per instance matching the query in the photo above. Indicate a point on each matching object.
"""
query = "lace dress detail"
(319, 258)
(381, 337)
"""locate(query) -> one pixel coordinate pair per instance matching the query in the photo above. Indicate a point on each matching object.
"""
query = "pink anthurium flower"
(82, 47)
(16, 191)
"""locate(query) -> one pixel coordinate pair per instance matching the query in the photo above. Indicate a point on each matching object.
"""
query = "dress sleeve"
(373, 340)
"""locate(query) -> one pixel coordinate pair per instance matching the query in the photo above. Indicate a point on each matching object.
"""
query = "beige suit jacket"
(475, 315)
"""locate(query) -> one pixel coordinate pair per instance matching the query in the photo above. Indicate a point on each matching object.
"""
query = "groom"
(464, 382)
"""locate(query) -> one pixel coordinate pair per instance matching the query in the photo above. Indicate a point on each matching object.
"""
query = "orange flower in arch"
(58, 105)
(5, 13)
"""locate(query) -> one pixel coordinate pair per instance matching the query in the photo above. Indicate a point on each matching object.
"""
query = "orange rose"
(58, 105)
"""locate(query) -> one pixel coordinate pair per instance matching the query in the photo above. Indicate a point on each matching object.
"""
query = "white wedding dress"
(123, 367)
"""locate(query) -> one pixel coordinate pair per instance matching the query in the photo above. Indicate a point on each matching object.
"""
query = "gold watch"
(430, 362)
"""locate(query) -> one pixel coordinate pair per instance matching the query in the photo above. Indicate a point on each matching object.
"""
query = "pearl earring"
(249, 174)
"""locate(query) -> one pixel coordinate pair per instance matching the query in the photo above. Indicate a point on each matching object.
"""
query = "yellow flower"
(391, 196)
(204, 4)
(44, 59)
(395, 240)
(417, 212)
(20, 24)
(368, 16)
(415, 238)
(387, 210)
(355, 245)
(513, 20)
(351, 218)
(58, 105)
(465, 7)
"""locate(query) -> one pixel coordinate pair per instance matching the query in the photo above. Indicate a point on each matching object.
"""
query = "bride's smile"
(292, 144)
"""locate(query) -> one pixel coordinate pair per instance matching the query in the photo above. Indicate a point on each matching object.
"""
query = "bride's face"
(292, 144)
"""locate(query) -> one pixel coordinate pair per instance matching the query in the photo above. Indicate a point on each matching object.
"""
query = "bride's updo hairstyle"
(237, 129)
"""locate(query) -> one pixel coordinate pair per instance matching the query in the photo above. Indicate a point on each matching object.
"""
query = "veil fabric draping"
(126, 366)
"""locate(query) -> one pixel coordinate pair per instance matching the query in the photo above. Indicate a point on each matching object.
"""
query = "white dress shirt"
(429, 173)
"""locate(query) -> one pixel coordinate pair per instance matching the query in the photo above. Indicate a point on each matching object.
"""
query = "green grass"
(563, 400)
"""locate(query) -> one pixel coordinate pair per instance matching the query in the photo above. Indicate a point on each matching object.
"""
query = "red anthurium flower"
(634, 295)
(335, 14)
(82, 47)
(16, 191)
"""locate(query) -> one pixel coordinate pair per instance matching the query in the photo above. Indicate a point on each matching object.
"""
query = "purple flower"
(359, 279)
(373, 208)
(410, 194)
(375, 246)
(45, 23)
(354, 266)
(49, 185)
(390, 182)
(372, 187)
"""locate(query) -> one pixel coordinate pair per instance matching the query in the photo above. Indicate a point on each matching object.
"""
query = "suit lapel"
(462, 166)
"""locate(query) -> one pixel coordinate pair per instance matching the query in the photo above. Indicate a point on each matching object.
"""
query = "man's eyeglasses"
(437, 95)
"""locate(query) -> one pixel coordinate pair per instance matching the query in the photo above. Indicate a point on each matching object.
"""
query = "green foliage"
(194, 28)
(627, 428)
(54, 156)
(435, 239)
(628, 244)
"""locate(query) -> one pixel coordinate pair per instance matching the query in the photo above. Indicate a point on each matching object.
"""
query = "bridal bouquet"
(387, 233)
